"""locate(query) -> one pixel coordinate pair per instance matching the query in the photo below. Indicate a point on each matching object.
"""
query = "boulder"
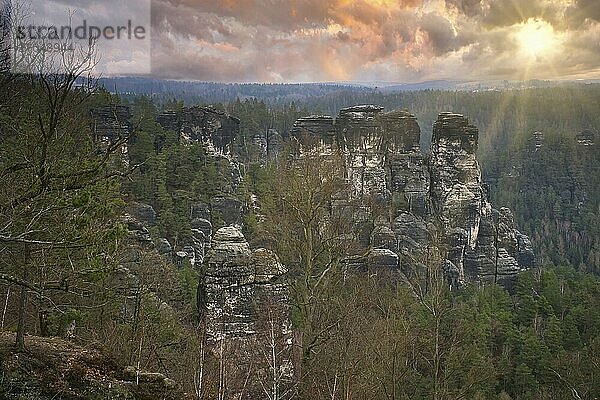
(163, 246)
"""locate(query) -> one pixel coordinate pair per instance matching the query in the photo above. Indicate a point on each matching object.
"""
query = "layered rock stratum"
(239, 284)
(437, 202)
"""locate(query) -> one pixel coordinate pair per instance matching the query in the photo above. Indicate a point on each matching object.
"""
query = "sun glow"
(381, 3)
(537, 37)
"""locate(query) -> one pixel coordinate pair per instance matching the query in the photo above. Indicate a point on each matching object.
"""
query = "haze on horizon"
(375, 40)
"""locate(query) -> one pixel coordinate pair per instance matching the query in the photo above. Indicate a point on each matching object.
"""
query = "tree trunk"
(5, 307)
(21, 319)
(20, 341)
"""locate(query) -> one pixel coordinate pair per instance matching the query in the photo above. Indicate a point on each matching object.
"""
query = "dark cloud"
(440, 33)
(509, 12)
(499, 13)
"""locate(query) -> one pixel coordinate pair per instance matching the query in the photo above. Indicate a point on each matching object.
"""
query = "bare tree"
(311, 222)
(50, 167)
(273, 344)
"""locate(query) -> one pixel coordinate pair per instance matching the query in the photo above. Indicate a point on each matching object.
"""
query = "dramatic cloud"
(368, 40)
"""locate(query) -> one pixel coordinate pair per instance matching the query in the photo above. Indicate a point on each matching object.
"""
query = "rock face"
(237, 282)
(456, 191)
(425, 204)
(216, 130)
(243, 295)
(111, 122)
(265, 146)
(143, 213)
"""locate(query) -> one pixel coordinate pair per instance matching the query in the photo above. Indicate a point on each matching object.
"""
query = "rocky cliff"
(413, 213)
(244, 300)
(218, 133)
(436, 204)
(216, 130)
(238, 284)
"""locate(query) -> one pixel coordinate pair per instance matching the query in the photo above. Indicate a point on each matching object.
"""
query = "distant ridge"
(215, 92)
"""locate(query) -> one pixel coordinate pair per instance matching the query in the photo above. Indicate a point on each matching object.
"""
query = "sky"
(111, 57)
(375, 40)
(399, 41)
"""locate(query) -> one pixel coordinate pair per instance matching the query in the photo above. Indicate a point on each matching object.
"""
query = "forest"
(552, 188)
(64, 246)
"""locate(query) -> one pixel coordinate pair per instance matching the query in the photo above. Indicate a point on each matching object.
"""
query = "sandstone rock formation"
(244, 300)
(143, 212)
(216, 130)
(237, 283)
(111, 122)
(436, 202)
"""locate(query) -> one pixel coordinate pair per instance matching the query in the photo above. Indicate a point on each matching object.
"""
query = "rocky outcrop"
(265, 146)
(143, 212)
(237, 283)
(317, 126)
(137, 231)
(456, 191)
(216, 130)
(244, 300)
(423, 206)
(139, 217)
(482, 244)
(111, 122)
(52, 368)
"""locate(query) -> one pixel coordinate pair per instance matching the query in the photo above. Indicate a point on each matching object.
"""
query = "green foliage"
(553, 192)
(383, 340)
(173, 175)
(189, 278)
